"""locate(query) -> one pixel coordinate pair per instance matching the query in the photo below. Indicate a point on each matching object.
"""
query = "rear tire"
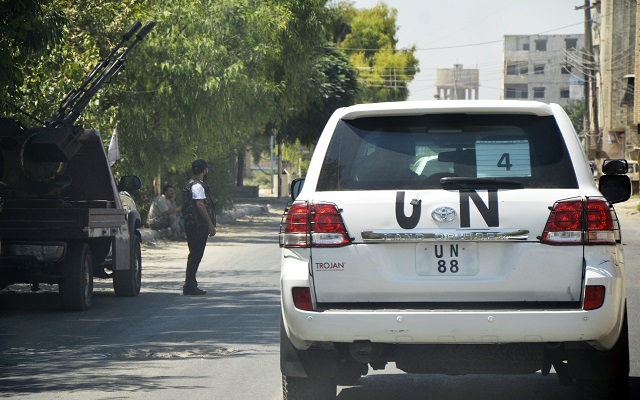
(350, 371)
(76, 289)
(308, 389)
(127, 282)
(615, 362)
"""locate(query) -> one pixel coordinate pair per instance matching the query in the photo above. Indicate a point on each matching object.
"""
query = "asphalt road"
(224, 345)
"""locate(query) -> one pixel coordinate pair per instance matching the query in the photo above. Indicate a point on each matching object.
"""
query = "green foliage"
(575, 111)
(200, 81)
(28, 28)
(210, 75)
(372, 29)
(384, 71)
(336, 86)
(295, 155)
(212, 78)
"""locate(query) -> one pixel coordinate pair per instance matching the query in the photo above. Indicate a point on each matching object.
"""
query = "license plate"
(447, 259)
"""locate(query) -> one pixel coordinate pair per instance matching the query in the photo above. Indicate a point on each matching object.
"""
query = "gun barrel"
(72, 112)
(134, 28)
(144, 31)
(70, 102)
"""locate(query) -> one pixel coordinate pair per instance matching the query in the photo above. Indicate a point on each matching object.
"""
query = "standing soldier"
(199, 222)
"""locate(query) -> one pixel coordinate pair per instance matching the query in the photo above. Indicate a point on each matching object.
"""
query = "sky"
(448, 32)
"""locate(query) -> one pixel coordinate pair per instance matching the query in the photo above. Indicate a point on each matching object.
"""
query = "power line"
(468, 44)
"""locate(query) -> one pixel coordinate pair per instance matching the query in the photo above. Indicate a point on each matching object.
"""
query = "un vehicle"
(453, 237)
(61, 217)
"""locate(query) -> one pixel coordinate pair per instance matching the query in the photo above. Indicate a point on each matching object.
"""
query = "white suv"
(453, 237)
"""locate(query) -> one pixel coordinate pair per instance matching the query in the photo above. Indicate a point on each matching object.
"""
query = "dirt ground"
(629, 208)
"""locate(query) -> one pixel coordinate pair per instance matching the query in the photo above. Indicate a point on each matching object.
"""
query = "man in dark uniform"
(199, 223)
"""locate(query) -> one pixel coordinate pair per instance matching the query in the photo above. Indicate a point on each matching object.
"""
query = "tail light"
(302, 298)
(593, 297)
(582, 221)
(313, 225)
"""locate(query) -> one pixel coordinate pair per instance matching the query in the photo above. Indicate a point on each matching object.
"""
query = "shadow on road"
(119, 342)
(467, 387)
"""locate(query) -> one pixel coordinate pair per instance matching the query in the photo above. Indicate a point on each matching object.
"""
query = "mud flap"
(305, 363)
(602, 365)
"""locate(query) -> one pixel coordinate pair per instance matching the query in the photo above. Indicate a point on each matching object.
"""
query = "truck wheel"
(127, 282)
(350, 371)
(615, 363)
(308, 389)
(76, 289)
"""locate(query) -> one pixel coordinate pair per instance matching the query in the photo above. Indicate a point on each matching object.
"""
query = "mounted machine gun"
(33, 160)
(61, 218)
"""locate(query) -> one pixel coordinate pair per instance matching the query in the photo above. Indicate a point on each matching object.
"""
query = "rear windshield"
(416, 152)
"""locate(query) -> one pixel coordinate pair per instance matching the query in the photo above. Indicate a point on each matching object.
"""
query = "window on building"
(564, 93)
(566, 69)
(571, 43)
(538, 93)
(516, 92)
(519, 68)
(538, 69)
(541, 45)
(525, 46)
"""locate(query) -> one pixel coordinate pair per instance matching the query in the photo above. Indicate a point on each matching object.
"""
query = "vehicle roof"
(448, 107)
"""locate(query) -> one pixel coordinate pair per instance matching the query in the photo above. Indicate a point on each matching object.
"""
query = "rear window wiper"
(459, 182)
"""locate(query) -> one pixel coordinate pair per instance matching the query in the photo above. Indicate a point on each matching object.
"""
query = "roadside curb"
(262, 206)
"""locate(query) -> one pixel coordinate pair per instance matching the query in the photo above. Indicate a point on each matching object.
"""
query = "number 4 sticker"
(504, 162)
(503, 158)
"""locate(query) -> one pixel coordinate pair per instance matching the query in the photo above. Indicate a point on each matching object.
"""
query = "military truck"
(61, 218)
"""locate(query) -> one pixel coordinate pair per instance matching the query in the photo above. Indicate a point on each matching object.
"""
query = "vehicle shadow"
(467, 387)
(43, 349)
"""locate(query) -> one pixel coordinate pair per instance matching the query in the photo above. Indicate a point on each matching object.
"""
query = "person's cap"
(198, 166)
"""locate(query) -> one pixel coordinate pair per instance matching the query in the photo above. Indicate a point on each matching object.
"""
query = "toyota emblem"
(444, 214)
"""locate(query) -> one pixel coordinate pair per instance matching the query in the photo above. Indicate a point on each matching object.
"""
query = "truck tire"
(615, 364)
(350, 371)
(308, 388)
(76, 289)
(127, 282)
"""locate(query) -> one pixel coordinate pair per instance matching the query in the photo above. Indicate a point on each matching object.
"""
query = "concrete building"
(543, 68)
(615, 48)
(457, 83)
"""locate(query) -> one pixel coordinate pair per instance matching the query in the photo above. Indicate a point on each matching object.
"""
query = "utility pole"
(280, 172)
(587, 84)
(590, 89)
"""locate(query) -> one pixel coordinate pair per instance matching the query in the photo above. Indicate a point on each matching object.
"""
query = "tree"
(385, 72)
(213, 76)
(575, 110)
(338, 87)
(28, 28)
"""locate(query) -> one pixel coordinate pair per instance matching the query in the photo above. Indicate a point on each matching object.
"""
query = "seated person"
(388, 164)
(165, 214)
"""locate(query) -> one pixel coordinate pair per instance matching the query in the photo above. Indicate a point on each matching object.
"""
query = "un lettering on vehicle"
(485, 206)
(447, 259)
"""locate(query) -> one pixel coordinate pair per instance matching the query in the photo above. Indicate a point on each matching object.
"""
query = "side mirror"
(296, 188)
(129, 183)
(615, 167)
(615, 188)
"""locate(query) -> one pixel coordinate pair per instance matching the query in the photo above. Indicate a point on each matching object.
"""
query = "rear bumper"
(449, 327)
(600, 327)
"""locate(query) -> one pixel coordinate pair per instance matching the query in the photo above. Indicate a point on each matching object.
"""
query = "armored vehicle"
(61, 218)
